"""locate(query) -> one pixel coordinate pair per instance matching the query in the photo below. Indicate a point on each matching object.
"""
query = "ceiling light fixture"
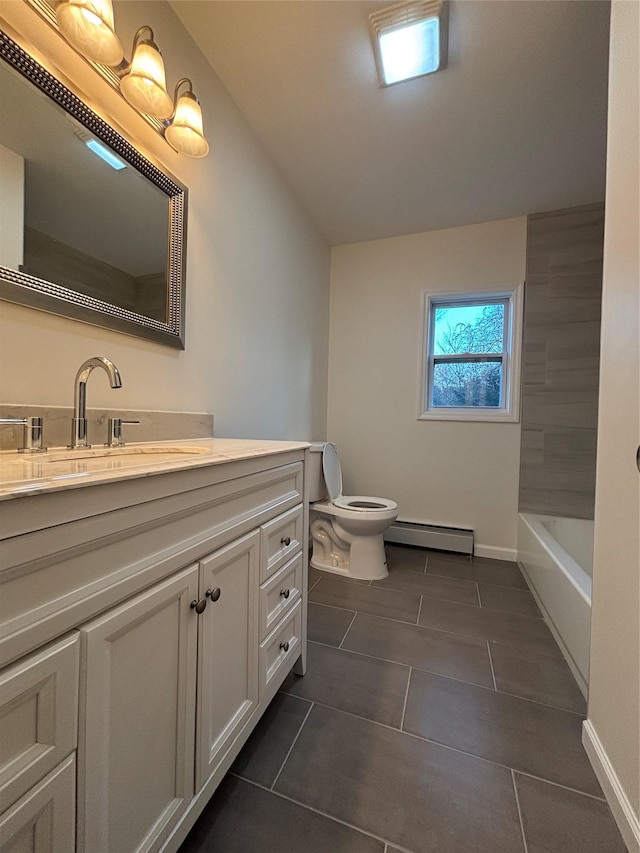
(88, 26)
(409, 40)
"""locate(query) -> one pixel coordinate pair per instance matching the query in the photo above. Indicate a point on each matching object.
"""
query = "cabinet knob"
(286, 541)
(284, 646)
(285, 593)
(213, 594)
(198, 605)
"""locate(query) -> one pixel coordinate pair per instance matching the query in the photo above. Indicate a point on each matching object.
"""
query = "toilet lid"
(331, 471)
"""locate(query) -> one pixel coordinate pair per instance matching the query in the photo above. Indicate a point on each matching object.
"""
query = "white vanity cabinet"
(182, 598)
(38, 738)
(228, 656)
(138, 718)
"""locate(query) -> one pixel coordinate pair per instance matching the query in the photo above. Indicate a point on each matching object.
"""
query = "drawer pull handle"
(213, 594)
(284, 646)
(199, 606)
(285, 593)
(286, 541)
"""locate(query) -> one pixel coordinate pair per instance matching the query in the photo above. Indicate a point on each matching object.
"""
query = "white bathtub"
(556, 556)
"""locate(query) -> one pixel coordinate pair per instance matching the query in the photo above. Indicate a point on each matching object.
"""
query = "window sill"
(482, 415)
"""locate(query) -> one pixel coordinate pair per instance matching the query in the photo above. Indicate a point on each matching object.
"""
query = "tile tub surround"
(409, 738)
(561, 360)
(153, 426)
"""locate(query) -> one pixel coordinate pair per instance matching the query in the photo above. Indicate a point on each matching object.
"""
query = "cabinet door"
(228, 650)
(138, 709)
(43, 820)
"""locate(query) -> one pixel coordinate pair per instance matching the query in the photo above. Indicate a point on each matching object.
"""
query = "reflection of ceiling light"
(144, 84)
(88, 25)
(409, 40)
(100, 149)
(105, 154)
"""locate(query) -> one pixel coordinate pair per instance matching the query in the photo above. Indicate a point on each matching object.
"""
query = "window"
(472, 356)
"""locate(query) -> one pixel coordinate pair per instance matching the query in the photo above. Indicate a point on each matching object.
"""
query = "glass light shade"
(88, 26)
(185, 133)
(144, 86)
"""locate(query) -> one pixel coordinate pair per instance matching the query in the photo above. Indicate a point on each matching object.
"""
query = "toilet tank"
(317, 487)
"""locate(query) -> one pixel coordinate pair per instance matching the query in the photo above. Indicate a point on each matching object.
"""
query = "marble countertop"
(24, 474)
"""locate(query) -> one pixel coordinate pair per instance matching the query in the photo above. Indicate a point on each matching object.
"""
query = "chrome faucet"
(79, 423)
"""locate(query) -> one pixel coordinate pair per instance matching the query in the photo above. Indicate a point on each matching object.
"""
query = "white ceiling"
(515, 124)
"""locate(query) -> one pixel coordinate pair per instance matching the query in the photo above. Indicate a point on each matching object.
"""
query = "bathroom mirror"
(100, 242)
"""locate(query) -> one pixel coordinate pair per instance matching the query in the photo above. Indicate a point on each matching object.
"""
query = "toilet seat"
(333, 479)
(364, 503)
(332, 471)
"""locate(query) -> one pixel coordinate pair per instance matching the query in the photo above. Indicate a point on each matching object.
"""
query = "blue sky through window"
(448, 318)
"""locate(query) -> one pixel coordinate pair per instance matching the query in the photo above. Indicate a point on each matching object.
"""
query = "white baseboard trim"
(495, 552)
(623, 813)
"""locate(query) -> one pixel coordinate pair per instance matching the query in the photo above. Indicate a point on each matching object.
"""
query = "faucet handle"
(33, 433)
(114, 432)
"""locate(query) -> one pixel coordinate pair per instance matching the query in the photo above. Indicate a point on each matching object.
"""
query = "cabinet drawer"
(43, 820)
(280, 539)
(280, 649)
(38, 716)
(280, 594)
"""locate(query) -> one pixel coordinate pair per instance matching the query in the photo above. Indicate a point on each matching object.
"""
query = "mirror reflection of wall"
(87, 226)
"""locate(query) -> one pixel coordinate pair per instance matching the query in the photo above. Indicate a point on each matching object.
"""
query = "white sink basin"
(145, 452)
(27, 471)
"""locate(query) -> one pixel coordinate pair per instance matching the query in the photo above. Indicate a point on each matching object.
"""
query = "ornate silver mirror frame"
(16, 286)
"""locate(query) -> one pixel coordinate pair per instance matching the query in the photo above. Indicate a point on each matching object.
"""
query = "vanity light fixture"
(144, 84)
(409, 40)
(185, 133)
(88, 26)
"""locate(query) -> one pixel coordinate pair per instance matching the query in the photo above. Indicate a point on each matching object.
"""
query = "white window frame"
(511, 357)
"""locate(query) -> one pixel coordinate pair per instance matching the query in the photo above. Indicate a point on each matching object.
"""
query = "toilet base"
(367, 560)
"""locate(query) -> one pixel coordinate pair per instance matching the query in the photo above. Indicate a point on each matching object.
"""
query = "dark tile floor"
(437, 716)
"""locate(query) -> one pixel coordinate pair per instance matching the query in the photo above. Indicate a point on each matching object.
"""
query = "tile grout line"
(456, 749)
(442, 674)
(515, 791)
(286, 758)
(406, 697)
(434, 573)
(314, 585)
(319, 812)
(444, 630)
(536, 619)
(493, 674)
(347, 631)
(419, 610)
(478, 594)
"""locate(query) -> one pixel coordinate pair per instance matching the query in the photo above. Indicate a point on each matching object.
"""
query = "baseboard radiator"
(455, 539)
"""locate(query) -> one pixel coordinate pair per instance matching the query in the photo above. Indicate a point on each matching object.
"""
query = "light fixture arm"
(125, 64)
(189, 92)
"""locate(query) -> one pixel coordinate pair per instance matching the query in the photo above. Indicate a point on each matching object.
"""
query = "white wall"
(448, 473)
(612, 732)
(257, 270)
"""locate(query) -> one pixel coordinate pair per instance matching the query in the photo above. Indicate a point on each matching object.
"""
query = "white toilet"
(346, 530)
